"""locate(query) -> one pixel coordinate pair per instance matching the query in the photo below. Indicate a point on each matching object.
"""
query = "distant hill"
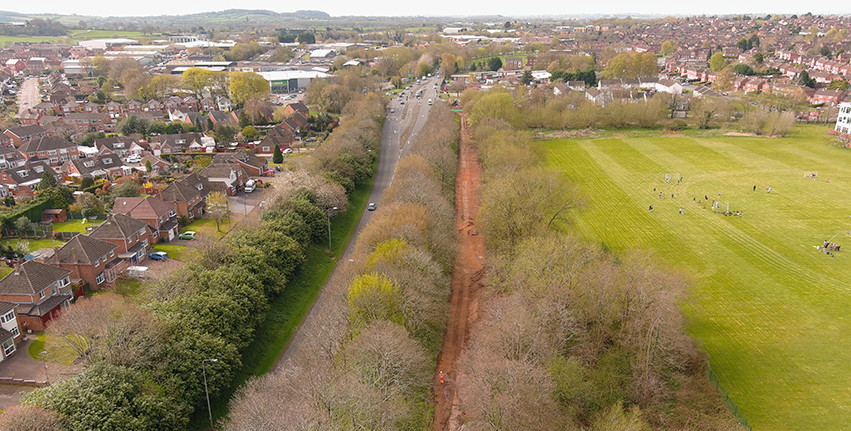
(238, 15)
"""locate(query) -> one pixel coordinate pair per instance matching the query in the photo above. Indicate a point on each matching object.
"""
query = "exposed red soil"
(467, 277)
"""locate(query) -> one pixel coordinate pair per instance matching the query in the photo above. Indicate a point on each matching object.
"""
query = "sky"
(506, 8)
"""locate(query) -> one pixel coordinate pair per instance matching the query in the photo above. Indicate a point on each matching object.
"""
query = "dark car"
(158, 255)
(371, 206)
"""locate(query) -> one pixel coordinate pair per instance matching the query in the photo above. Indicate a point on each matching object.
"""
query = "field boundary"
(734, 408)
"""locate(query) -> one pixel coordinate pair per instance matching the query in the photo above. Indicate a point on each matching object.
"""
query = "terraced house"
(39, 292)
(52, 149)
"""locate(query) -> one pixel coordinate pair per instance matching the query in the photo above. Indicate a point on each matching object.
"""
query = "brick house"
(18, 136)
(277, 136)
(225, 178)
(90, 122)
(189, 201)
(160, 215)
(23, 180)
(91, 260)
(132, 237)
(53, 149)
(828, 97)
(39, 292)
(253, 164)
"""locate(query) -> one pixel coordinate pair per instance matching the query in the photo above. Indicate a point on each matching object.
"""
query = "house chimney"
(17, 269)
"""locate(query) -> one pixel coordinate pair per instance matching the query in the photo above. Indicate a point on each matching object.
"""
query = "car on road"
(158, 255)
(190, 234)
(371, 206)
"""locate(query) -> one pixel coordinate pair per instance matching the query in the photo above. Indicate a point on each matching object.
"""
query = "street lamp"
(206, 391)
(328, 213)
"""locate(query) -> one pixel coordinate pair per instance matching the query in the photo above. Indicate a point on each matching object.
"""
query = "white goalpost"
(719, 204)
(675, 176)
(810, 174)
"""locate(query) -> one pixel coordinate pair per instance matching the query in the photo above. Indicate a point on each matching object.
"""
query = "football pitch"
(773, 313)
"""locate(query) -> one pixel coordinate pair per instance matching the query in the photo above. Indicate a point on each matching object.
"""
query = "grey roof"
(31, 277)
(179, 192)
(24, 131)
(46, 306)
(118, 226)
(46, 143)
(6, 307)
(83, 250)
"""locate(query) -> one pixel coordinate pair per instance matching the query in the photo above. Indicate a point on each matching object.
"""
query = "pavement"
(20, 374)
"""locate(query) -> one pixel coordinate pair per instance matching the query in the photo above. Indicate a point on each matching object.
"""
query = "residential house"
(223, 103)
(11, 158)
(53, 149)
(513, 63)
(154, 105)
(113, 109)
(208, 104)
(225, 177)
(133, 237)
(18, 136)
(189, 201)
(222, 117)
(253, 164)
(107, 166)
(22, 181)
(843, 120)
(90, 122)
(560, 88)
(134, 106)
(29, 117)
(279, 136)
(161, 215)
(10, 330)
(120, 146)
(91, 260)
(38, 291)
(294, 107)
(157, 164)
(828, 97)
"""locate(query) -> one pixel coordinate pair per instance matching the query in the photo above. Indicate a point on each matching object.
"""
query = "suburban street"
(28, 94)
(410, 116)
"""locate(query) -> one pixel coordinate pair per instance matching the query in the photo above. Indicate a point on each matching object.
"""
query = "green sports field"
(773, 313)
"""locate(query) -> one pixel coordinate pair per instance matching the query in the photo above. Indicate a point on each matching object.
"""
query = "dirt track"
(466, 288)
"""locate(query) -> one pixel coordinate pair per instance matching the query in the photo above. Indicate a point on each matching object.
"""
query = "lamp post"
(46, 377)
(328, 213)
(206, 391)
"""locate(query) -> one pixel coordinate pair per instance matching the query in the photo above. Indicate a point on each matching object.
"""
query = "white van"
(429, 101)
(250, 185)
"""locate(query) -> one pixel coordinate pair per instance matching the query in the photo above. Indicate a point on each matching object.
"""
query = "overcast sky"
(429, 7)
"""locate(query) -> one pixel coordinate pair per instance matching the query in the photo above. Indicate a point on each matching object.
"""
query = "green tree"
(224, 134)
(86, 183)
(48, 181)
(667, 48)
(90, 205)
(196, 80)
(494, 63)
(148, 166)
(249, 132)
(838, 84)
(759, 58)
(133, 124)
(306, 37)
(23, 225)
(527, 77)
(245, 85)
(243, 120)
(825, 51)
(110, 397)
(743, 69)
(805, 80)
(717, 62)
(277, 156)
(753, 41)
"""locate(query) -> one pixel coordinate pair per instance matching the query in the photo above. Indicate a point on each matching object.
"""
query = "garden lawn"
(771, 311)
(207, 227)
(176, 252)
(75, 225)
(35, 244)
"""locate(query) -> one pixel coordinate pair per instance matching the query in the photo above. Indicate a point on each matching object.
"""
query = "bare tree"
(30, 418)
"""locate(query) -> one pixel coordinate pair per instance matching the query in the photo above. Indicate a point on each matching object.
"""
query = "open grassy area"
(207, 227)
(75, 225)
(108, 34)
(176, 252)
(35, 244)
(287, 311)
(6, 40)
(770, 310)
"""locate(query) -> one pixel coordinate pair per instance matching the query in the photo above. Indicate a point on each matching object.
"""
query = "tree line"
(368, 359)
(143, 356)
(572, 337)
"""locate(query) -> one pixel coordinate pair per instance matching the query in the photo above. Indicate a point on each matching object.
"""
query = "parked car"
(134, 158)
(189, 234)
(288, 151)
(158, 255)
(371, 206)
(250, 186)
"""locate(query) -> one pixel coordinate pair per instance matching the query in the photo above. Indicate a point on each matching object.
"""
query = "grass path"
(772, 313)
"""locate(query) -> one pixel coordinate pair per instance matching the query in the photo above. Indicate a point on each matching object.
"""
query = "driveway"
(22, 367)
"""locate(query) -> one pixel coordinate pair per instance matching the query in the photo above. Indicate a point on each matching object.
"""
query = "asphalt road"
(28, 94)
(394, 127)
